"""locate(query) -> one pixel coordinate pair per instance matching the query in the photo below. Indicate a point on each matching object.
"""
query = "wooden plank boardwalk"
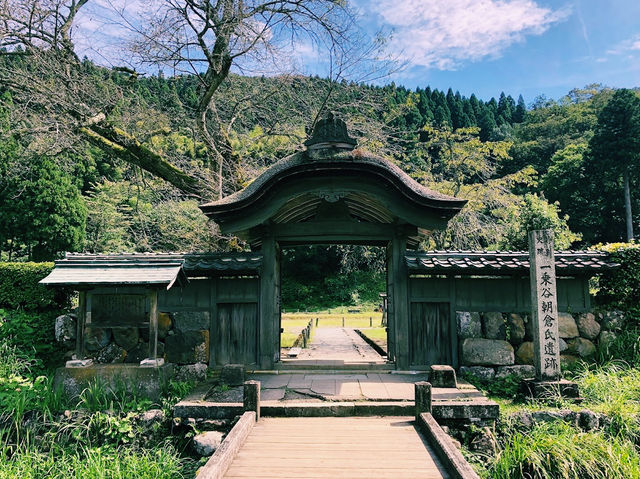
(328, 447)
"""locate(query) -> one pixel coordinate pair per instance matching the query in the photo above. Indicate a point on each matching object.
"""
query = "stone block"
(164, 325)
(588, 327)
(494, 326)
(517, 331)
(612, 320)
(606, 339)
(232, 374)
(528, 327)
(146, 382)
(562, 344)
(138, 353)
(207, 442)
(443, 376)
(112, 354)
(581, 347)
(126, 338)
(568, 360)
(552, 416)
(567, 327)
(588, 420)
(487, 352)
(96, 338)
(479, 372)
(524, 353)
(469, 324)
(191, 320)
(65, 329)
(522, 371)
(191, 372)
(550, 389)
(187, 347)
(148, 418)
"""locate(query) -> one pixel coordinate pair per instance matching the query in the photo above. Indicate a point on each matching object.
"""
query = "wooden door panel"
(430, 334)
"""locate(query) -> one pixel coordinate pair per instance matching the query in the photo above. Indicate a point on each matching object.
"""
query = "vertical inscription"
(544, 305)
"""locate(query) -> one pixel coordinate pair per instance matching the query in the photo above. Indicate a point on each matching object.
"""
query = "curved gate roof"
(331, 186)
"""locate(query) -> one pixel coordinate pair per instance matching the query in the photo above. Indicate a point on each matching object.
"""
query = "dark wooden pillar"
(398, 299)
(82, 315)
(269, 303)
(153, 325)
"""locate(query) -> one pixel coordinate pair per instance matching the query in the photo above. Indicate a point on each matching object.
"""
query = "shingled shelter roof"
(148, 268)
(504, 262)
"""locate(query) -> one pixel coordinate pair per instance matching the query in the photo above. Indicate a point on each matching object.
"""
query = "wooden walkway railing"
(337, 447)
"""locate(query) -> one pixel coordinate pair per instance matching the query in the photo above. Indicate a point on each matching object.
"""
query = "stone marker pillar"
(422, 397)
(251, 397)
(544, 305)
(544, 314)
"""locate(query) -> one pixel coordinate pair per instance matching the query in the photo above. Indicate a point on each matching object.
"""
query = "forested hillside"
(519, 167)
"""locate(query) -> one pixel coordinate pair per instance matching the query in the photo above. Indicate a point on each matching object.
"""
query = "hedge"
(19, 288)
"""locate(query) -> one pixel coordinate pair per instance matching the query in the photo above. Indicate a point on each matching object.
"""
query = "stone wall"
(498, 344)
(183, 338)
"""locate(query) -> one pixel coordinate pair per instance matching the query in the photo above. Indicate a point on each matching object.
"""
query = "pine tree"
(520, 112)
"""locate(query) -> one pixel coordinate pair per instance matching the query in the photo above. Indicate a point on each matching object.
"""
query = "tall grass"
(97, 463)
(557, 450)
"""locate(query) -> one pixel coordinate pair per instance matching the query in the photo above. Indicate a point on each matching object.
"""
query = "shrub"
(19, 288)
(32, 333)
(620, 288)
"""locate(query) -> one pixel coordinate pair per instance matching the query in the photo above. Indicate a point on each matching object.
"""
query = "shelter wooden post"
(82, 315)
(153, 325)
(399, 300)
(269, 308)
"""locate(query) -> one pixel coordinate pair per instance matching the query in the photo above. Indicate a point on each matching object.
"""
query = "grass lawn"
(332, 320)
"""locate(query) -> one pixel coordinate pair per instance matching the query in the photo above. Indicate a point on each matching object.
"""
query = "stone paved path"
(354, 387)
(342, 344)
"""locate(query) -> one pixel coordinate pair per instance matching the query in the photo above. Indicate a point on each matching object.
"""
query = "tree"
(615, 145)
(533, 212)
(62, 102)
(520, 112)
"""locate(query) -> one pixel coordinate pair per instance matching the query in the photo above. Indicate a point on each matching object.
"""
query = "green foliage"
(19, 288)
(620, 288)
(505, 387)
(123, 217)
(32, 333)
(557, 450)
(319, 277)
(535, 213)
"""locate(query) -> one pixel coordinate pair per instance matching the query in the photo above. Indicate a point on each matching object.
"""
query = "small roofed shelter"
(333, 192)
(117, 293)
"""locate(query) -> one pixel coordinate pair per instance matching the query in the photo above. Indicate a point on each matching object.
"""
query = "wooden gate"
(237, 340)
(430, 334)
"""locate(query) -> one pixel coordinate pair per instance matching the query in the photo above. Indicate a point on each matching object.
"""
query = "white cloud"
(444, 33)
(626, 46)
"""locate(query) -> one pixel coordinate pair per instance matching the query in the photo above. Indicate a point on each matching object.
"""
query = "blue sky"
(517, 46)
(528, 47)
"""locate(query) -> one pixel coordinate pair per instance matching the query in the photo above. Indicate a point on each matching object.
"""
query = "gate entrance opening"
(332, 313)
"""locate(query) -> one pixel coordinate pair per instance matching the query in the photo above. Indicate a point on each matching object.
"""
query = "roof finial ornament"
(330, 136)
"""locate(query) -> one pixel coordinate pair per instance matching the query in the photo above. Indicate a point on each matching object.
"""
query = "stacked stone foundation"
(499, 344)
